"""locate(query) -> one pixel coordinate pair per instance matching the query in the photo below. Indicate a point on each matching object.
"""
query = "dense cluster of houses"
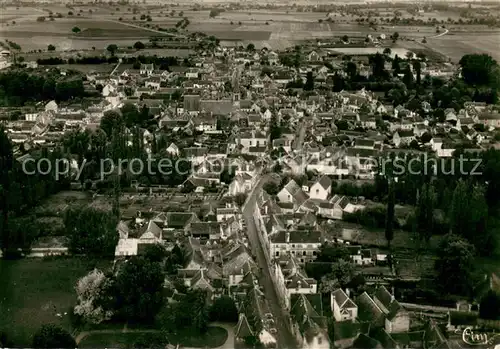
(233, 85)
(226, 105)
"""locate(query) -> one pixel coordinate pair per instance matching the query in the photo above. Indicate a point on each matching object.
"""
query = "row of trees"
(18, 88)
(20, 191)
(161, 62)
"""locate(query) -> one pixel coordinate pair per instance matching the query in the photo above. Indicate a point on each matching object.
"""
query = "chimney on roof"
(287, 237)
(348, 292)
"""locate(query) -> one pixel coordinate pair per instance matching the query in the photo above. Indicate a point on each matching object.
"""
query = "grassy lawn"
(35, 290)
(109, 340)
(215, 337)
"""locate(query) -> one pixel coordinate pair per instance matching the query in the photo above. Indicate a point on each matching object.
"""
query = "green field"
(34, 291)
(214, 337)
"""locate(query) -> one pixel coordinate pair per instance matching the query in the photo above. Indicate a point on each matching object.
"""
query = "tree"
(4, 341)
(112, 48)
(6, 167)
(93, 296)
(271, 188)
(345, 38)
(455, 265)
(468, 215)
(91, 231)
(417, 66)
(130, 114)
(110, 121)
(341, 274)
(76, 30)
(155, 253)
(425, 211)
(275, 128)
(342, 125)
(395, 65)
(309, 85)
(224, 310)
(377, 61)
(52, 336)
(214, 13)
(389, 220)
(191, 314)
(395, 36)
(408, 79)
(330, 253)
(387, 51)
(251, 47)
(139, 45)
(480, 69)
(139, 290)
(240, 199)
(351, 70)
(51, 48)
(489, 307)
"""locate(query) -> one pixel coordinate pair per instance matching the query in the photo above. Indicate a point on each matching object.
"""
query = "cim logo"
(472, 338)
(480, 338)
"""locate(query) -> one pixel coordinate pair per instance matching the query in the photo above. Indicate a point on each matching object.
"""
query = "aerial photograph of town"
(237, 174)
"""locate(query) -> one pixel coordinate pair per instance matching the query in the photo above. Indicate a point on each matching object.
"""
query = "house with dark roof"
(146, 69)
(343, 308)
(292, 279)
(397, 319)
(180, 220)
(236, 263)
(403, 137)
(346, 332)
(256, 306)
(303, 244)
(369, 311)
(242, 330)
(365, 342)
(205, 230)
(310, 322)
(292, 193)
(384, 339)
(321, 189)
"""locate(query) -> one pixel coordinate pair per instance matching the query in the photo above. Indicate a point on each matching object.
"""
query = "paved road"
(300, 139)
(285, 338)
(446, 31)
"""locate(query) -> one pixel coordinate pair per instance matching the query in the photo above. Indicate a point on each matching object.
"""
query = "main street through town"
(281, 318)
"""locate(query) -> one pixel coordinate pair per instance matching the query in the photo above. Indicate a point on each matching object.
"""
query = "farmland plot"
(95, 33)
(455, 46)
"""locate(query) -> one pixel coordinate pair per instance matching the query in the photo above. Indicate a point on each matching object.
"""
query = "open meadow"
(213, 338)
(456, 45)
(35, 291)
